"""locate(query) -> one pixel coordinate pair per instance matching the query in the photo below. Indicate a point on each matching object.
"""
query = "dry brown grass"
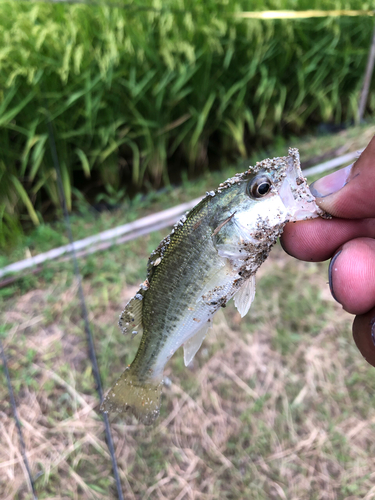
(277, 406)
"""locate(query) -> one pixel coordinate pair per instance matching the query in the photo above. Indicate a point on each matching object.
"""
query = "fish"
(211, 256)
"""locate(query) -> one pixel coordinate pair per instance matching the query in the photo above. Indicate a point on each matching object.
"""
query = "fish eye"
(259, 186)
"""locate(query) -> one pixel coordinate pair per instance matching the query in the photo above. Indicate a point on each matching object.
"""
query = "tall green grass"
(127, 89)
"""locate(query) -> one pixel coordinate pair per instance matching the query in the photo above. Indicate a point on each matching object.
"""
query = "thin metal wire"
(89, 336)
(18, 423)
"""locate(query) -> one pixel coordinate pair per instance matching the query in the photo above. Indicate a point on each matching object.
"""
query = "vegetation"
(87, 221)
(278, 405)
(139, 92)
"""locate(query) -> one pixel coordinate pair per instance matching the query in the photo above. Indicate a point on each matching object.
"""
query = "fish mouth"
(295, 193)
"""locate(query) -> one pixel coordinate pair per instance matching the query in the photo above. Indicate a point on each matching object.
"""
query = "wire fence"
(157, 221)
(90, 341)
(71, 249)
(18, 423)
(89, 337)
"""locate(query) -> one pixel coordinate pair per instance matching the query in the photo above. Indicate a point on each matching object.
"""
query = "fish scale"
(184, 255)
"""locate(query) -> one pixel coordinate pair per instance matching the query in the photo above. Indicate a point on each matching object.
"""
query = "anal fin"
(192, 345)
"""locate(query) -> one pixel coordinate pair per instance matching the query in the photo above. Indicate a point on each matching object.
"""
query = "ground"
(278, 405)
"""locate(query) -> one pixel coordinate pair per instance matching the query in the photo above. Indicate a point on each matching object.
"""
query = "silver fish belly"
(211, 256)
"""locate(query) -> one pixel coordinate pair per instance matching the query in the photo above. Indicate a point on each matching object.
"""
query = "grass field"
(279, 405)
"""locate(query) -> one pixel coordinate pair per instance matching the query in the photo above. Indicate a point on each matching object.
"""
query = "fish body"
(211, 256)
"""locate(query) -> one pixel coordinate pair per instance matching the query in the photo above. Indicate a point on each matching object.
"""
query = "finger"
(364, 335)
(349, 192)
(352, 275)
(318, 239)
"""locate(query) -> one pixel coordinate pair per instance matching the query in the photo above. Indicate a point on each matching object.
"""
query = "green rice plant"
(128, 89)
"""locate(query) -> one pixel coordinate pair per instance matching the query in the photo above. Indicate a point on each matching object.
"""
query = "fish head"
(274, 189)
(260, 201)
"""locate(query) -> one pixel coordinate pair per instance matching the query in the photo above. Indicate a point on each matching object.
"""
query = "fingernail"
(330, 183)
(331, 267)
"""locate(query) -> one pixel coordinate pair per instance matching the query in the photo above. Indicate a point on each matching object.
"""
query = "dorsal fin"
(192, 345)
(157, 256)
(131, 317)
(245, 296)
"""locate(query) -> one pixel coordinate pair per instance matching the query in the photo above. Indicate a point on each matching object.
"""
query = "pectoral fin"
(245, 296)
(193, 344)
(131, 317)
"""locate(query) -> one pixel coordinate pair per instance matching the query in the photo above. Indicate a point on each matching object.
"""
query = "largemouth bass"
(210, 256)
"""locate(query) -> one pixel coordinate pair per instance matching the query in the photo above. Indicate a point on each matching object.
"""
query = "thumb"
(350, 192)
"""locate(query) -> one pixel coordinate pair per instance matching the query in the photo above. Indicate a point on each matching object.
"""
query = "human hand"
(349, 238)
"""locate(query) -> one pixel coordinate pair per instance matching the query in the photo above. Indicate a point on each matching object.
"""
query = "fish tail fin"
(139, 397)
